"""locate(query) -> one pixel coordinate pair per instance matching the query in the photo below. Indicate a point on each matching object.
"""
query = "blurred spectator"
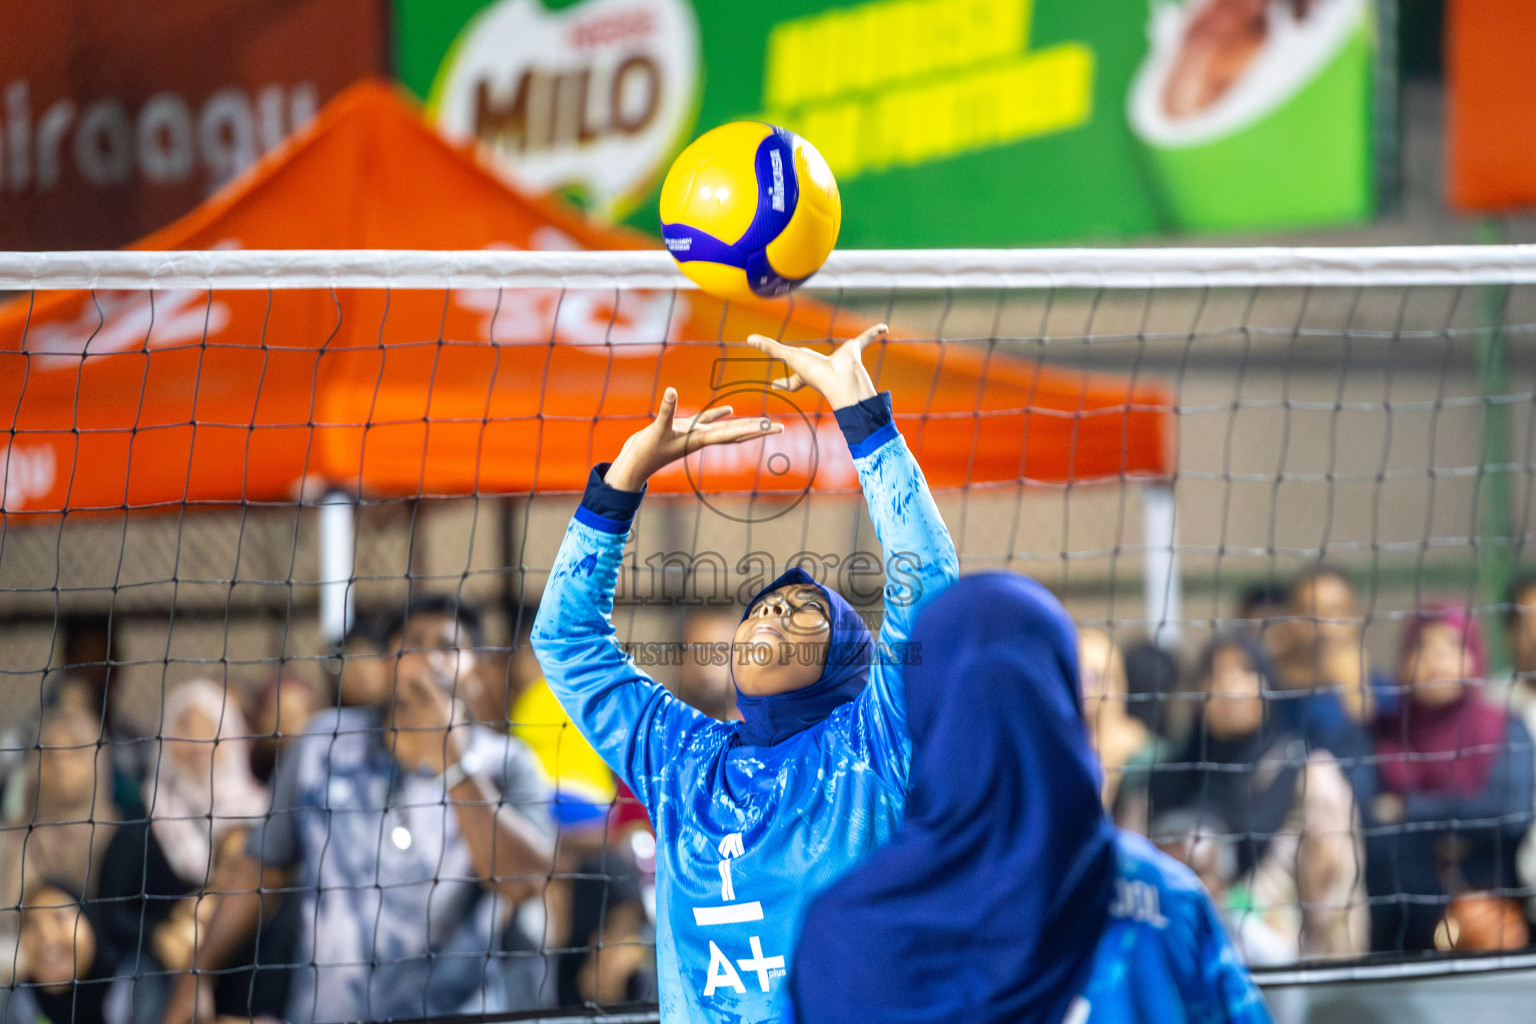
(1519, 695)
(162, 878)
(1320, 651)
(1248, 773)
(584, 784)
(704, 679)
(59, 811)
(1261, 604)
(1208, 847)
(611, 959)
(412, 802)
(66, 970)
(363, 678)
(1518, 689)
(1151, 678)
(1122, 743)
(586, 797)
(90, 659)
(277, 711)
(1456, 773)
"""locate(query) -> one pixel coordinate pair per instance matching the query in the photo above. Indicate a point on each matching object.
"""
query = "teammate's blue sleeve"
(630, 719)
(920, 562)
(1164, 956)
(1219, 989)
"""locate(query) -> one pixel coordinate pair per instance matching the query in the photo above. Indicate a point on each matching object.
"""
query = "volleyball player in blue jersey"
(752, 818)
(1008, 897)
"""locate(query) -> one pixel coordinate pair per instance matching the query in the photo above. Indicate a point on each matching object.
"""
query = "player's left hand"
(840, 377)
(668, 438)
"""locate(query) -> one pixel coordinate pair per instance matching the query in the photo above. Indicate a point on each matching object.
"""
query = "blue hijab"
(777, 717)
(989, 904)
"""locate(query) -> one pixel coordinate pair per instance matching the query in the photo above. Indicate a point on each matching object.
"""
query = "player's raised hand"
(667, 439)
(840, 377)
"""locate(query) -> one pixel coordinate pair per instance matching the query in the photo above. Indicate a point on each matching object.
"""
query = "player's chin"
(779, 672)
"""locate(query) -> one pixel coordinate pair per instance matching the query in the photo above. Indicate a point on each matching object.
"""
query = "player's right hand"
(667, 439)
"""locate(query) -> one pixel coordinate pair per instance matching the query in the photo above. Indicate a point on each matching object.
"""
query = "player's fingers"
(710, 415)
(736, 431)
(868, 338)
(748, 435)
(668, 410)
(778, 350)
(794, 382)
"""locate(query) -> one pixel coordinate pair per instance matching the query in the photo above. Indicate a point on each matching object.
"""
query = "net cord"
(854, 269)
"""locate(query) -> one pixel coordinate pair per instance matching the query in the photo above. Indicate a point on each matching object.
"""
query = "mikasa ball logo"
(591, 100)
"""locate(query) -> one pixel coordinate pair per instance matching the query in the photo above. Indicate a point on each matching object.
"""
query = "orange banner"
(1491, 93)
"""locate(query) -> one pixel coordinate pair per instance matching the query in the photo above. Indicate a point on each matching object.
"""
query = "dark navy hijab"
(989, 904)
(777, 717)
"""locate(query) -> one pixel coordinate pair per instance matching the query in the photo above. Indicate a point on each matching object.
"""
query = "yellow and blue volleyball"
(749, 210)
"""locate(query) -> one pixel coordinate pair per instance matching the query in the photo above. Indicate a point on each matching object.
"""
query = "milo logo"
(590, 101)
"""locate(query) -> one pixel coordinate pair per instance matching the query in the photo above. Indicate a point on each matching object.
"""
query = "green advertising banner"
(947, 122)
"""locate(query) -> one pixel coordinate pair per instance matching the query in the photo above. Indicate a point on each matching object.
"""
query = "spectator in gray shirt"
(411, 836)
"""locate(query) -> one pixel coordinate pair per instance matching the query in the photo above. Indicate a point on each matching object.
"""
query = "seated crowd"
(1335, 808)
(437, 839)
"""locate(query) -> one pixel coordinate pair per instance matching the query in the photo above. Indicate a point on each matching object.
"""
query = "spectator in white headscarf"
(162, 876)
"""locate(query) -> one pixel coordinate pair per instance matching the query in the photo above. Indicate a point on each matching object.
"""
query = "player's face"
(781, 645)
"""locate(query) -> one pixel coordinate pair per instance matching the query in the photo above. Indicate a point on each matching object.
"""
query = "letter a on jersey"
(721, 973)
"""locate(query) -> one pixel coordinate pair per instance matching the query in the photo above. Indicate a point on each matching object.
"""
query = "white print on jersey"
(760, 964)
(722, 973)
(730, 846)
(1077, 1013)
(1137, 901)
(727, 890)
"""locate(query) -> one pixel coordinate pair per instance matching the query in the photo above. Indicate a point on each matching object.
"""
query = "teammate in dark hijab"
(1009, 896)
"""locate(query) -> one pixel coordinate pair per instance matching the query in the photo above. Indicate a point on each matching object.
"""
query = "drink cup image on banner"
(589, 100)
(1257, 115)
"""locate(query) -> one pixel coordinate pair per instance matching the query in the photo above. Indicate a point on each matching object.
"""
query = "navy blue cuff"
(604, 508)
(868, 425)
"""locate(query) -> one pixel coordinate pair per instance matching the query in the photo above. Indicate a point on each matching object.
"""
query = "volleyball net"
(1277, 489)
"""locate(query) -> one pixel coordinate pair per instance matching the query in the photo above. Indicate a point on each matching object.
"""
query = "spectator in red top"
(1456, 788)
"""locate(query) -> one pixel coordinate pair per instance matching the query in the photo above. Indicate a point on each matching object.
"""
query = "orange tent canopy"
(144, 399)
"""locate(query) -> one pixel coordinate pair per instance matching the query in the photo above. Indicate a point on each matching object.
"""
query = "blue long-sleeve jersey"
(1165, 957)
(746, 835)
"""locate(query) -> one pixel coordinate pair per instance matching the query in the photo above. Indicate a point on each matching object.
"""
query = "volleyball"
(749, 210)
